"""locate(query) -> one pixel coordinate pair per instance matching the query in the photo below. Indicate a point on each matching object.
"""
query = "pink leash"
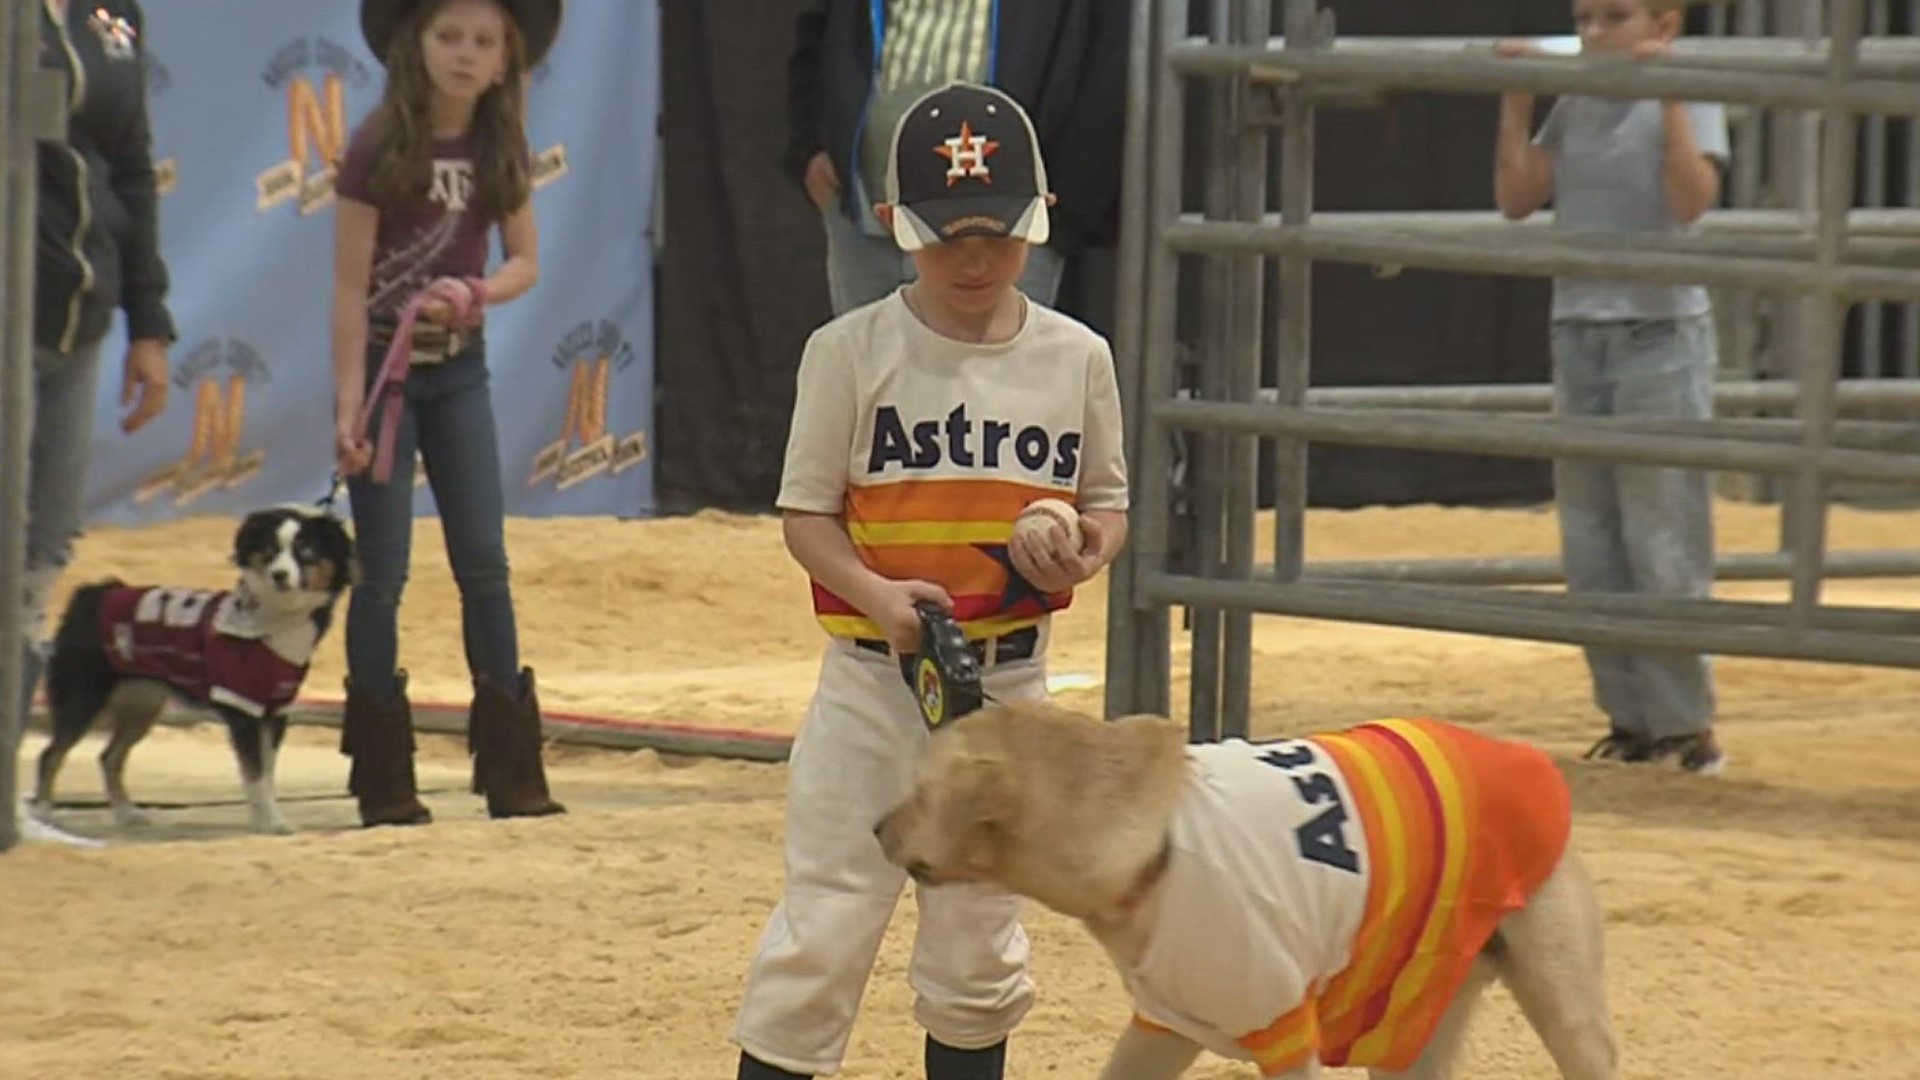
(467, 297)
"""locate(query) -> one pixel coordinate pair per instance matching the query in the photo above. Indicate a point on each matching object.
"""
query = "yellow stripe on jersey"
(901, 533)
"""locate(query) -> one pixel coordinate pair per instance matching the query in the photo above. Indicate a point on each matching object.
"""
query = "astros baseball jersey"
(929, 448)
(1327, 896)
(203, 643)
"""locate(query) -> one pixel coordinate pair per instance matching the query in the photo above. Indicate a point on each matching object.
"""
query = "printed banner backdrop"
(250, 102)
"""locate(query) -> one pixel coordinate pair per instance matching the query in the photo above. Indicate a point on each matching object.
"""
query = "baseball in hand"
(1043, 515)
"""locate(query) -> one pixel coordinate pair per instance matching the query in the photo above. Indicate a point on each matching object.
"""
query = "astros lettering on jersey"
(1366, 871)
(930, 448)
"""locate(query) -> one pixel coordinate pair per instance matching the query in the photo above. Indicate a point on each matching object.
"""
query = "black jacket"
(98, 240)
(1065, 61)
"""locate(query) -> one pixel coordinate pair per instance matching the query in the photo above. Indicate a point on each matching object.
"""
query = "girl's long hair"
(402, 132)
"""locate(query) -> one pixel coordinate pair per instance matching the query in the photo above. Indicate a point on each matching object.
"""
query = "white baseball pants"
(852, 760)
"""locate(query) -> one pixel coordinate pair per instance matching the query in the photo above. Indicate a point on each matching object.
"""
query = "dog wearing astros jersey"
(1338, 900)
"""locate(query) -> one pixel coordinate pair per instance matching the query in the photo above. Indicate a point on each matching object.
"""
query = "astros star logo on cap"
(966, 132)
(967, 155)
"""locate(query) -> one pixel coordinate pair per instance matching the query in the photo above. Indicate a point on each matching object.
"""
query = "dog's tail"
(78, 671)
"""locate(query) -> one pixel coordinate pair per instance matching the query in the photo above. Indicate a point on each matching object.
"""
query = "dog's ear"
(247, 538)
(987, 791)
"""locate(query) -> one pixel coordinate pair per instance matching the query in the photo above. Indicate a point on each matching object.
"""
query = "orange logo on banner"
(590, 353)
(218, 372)
(313, 73)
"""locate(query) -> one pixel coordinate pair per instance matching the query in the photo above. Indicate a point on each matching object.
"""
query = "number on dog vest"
(172, 607)
(1323, 839)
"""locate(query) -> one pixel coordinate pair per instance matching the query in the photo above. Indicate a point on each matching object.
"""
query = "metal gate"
(31, 109)
(1200, 422)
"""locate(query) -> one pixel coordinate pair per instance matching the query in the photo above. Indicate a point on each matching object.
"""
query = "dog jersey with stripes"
(1326, 896)
(203, 643)
(930, 447)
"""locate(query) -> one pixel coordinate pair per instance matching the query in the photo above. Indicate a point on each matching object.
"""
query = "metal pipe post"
(1245, 327)
(1546, 570)
(1650, 257)
(1294, 372)
(1207, 475)
(1744, 395)
(1535, 436)
(19, 36)
(1468, 611)
(1135, 648)
(1159, 332)
(1607, 77)
(1909, 354)
(1826, 312)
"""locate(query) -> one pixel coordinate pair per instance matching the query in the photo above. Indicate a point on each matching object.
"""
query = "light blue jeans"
(59, 456)
(449, 419)
(1639, 528)
(862, 268)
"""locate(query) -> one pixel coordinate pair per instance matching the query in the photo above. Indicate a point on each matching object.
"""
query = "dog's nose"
(282, 578)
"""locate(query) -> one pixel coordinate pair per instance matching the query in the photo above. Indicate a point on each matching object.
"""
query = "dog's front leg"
(256, 744)
(1145, 1053)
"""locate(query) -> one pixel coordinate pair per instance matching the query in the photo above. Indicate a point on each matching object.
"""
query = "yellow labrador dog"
(1337, 900)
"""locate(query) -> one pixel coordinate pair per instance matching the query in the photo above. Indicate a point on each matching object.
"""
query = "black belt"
(1008, 647)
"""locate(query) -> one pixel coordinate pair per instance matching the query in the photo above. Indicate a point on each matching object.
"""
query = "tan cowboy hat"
(539, 22)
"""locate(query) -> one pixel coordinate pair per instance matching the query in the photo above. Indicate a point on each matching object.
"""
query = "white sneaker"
(35, 831)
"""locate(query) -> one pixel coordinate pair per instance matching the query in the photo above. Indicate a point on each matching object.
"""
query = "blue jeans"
(448, 418)
(59, 457)
(1639, 528)
(862, 268)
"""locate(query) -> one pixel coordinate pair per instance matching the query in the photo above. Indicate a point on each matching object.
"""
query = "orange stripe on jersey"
(1401, 863)
(1404, 840)
(1460, 831)
(952, 532)
(1287, 1042)
(945, 500)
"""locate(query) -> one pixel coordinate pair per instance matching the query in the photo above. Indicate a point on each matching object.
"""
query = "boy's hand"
(1515, 48)
(1048, 560)
(893, 610)
(1655, 49)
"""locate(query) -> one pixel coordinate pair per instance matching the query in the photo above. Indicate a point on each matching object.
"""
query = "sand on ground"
(1763, 924)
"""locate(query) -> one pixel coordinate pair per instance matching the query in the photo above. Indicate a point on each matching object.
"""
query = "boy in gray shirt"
(1624, 348)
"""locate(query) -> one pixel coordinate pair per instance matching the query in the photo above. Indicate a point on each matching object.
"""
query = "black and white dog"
(127, 650)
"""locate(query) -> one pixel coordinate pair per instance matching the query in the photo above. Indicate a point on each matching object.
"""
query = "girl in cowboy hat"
(440, 163)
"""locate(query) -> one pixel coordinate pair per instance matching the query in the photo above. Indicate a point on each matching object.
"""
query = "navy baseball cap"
(966, 162)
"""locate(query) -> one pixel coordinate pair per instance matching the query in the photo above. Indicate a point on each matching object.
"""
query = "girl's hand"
(351, 453)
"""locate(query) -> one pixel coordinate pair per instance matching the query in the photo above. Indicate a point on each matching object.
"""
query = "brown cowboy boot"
(503, 734)
(378, 736)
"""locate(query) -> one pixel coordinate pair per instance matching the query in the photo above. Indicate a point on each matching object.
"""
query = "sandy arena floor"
(1762, 925)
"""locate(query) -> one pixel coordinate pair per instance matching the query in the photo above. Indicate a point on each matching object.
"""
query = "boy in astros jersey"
(923, 423)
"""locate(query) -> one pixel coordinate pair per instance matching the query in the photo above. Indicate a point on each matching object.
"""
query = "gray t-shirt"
(1608, 158)
(928, 44)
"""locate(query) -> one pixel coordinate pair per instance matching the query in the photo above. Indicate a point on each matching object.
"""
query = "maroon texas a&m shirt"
(436, 235)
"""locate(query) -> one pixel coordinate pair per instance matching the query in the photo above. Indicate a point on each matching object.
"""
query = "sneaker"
(1618, 745)
(1699, 754)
